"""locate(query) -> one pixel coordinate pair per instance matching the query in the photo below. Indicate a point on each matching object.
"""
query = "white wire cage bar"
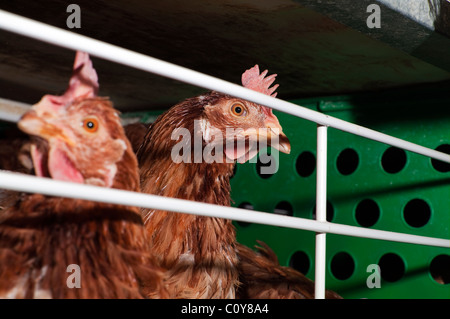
(70, 40)
(32, 184)
(12, 110)
(321, 210)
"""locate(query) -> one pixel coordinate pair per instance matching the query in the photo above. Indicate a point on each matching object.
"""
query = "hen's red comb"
(83, 84)
(84, 80)
(251, 79)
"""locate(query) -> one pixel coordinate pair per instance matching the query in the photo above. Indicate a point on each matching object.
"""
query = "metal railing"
(70, 40)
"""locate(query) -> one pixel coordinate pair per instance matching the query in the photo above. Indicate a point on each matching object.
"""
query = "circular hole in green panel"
(392, 267)
(284, 208)
(330, 212)
(367, 212)
(347, 161)
(393, 160)
(265, 165)
(342, 266)
(417, 213)
(305, 164)
(440, 269)
(300, 261)
(438, 165)
(245, 205)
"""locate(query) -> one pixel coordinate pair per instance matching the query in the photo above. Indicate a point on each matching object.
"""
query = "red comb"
(84, 80)
(83, 84)
(251, 79)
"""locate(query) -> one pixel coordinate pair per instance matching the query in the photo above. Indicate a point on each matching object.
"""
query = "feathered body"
(14, 156)
(135, 133)
(197, 252)
(43, 236)
(263, 277)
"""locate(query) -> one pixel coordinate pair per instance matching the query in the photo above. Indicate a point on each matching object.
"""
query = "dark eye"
(90, 125)
(238, 109)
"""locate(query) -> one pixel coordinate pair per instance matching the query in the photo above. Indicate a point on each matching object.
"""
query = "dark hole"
(266, 165)
(300, 261)
(417, 213)
(393, 160)
(330, 212)
(306, 164)
(347, 161)
(342, 266)
(284, 208)
(440, 269)
(245, 205)
(438, 165)
(392, 267)
(367, 213)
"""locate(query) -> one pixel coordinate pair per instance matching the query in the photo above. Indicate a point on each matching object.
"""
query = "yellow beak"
(272, 133)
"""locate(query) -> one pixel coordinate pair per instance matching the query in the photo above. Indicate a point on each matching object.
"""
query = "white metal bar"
(12, 110)
(47, 186)
(70, 40)
(321, 211)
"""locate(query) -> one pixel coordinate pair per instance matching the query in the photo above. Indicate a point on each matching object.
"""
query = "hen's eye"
(90, 125)
(238, 109)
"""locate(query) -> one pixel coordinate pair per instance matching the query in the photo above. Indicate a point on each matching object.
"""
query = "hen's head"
(78, 136)
(244, 125)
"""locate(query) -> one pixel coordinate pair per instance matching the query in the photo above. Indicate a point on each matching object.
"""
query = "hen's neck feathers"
(181, 240)
(205, 182)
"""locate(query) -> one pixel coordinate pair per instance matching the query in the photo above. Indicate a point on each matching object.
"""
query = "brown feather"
(264, 278)
(135, 133)
(14, 156)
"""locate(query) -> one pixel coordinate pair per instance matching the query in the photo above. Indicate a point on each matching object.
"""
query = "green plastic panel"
(369, 185)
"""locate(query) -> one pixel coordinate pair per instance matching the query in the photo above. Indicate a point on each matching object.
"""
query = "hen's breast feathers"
(198, 252)
(107, 242)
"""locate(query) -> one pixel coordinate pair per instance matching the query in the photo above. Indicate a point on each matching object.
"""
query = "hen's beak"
(276, 137)
(272, 133)
(33, 124)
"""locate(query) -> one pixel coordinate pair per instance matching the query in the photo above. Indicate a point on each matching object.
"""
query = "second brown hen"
(200, 254)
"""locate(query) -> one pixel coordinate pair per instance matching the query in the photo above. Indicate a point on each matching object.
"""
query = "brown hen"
(200, 254)
(78, 138)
